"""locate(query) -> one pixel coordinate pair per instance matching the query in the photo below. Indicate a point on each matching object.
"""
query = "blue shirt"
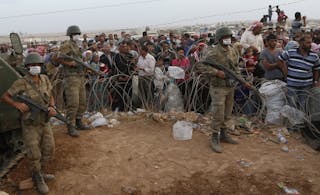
(300, 68)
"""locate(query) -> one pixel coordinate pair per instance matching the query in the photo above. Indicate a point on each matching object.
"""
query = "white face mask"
(226, 41)
(35, 70)
(75, 37)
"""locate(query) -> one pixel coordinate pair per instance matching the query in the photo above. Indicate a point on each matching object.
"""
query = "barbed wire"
(110, 94)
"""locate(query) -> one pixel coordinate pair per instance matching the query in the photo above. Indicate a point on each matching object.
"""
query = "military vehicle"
(11, 144)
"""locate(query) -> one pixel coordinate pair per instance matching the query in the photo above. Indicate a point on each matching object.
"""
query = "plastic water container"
(282, 138)
(182, 130)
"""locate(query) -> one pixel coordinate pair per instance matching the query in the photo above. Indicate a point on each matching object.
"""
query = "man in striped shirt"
(302, 69)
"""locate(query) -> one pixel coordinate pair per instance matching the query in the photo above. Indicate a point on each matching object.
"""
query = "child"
(250, 60)
(160, 80)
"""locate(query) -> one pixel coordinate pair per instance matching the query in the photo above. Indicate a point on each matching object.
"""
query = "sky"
(43, 16)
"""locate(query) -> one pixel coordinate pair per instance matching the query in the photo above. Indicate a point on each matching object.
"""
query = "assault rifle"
(229, 74)
(97, 72)
(35, 109)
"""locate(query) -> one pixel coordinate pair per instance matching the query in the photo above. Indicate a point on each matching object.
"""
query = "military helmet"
(33, 58)
(74, 29)
(223, 31)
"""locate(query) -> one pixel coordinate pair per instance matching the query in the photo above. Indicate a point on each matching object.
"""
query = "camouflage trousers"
(74, 88)
(39, 142)
(222, 102)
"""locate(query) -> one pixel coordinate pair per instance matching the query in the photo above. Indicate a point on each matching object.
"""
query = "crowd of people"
(256, 52)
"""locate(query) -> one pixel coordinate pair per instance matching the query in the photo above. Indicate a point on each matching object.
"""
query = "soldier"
(36, 131)
(15, 60)
(221, 91)
(74, 82)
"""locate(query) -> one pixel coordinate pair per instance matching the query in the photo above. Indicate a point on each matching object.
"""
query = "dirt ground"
(140, 156)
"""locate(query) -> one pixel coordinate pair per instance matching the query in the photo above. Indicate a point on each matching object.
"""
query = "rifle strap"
(31, 83)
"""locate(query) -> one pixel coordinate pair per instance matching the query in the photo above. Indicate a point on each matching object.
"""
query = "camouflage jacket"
(220, 55)
(23, 86)
(71, 48)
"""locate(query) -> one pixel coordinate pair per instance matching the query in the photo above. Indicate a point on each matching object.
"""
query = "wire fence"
(114, 93)
(108, 93)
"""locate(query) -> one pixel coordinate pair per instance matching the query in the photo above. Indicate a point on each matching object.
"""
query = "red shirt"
(251, 62)
(182, 63)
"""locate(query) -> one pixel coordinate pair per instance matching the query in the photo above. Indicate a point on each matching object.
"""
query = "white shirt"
(249, 39)
(146, 65)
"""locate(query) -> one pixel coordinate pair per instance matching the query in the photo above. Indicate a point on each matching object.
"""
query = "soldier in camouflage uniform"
(221, 91)
(16, 61)
(37, 134)
(74, 82)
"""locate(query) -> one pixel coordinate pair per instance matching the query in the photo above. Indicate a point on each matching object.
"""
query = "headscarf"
(255, 25)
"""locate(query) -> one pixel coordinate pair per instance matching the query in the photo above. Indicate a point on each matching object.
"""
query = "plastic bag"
(95, 116)
(176, 72)
(271, 88)
(275, 99)
(99, 122)
(294, 115)
(174, 99)
(273, 118)
(182, 130)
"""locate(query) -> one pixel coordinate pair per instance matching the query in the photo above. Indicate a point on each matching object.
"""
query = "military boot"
(215, 142)
(226, 138)
(81, 126)
(72, 131)
(39, 182)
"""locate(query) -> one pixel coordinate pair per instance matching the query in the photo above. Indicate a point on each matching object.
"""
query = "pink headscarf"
(255, 25)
